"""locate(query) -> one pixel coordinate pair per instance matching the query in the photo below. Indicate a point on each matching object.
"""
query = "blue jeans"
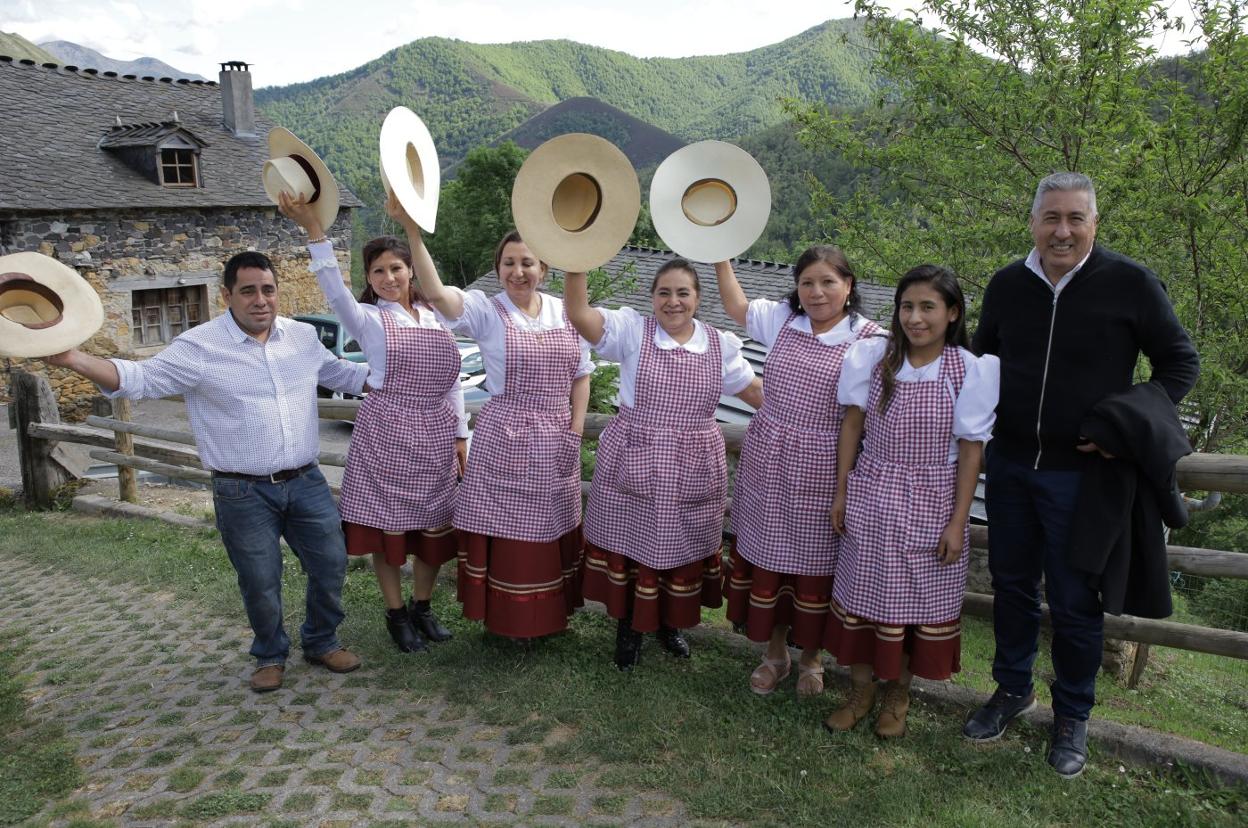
(1029, 514)
(251, 517)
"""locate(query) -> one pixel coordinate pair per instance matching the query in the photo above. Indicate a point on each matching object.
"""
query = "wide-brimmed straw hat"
(575, 201)
(45, 307)
(709, 201)
(409, 166)
(295, 169)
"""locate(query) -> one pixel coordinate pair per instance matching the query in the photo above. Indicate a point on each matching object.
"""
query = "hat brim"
(402, 134)
(283, 143)
(710, 161)
(81, 312)
(533, 201)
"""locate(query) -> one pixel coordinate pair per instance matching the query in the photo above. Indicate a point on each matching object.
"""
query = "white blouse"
(621, 342)
(363, 322)
(481, 321)
(764, 318)
(974, 410)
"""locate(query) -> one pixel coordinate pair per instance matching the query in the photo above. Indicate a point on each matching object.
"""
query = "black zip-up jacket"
(1060, 355)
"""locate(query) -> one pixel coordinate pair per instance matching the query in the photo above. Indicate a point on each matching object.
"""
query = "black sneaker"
(673, 641)
(1068, 746)
(988, 722)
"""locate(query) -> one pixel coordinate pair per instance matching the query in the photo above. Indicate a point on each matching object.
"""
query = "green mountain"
(19, 48)
(472, 94)
(643, 143)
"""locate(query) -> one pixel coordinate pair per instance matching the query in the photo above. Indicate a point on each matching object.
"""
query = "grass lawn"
(694, 730)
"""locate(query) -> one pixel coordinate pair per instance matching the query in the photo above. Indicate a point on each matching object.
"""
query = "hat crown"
(28, 303)
(576, 202)
(709, 202)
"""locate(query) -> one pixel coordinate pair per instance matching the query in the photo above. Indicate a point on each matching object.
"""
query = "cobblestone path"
(154, 694)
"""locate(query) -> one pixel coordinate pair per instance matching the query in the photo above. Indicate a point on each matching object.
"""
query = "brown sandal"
(768, 675)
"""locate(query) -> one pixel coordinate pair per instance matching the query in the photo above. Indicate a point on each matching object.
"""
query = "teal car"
(337, 341)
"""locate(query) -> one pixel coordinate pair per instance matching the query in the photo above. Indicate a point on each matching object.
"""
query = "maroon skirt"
(433, 547)
(652, 597)
(935, 650)
(761, 600)
(520, 589)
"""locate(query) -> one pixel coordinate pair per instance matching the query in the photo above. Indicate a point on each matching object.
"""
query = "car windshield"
(471, 363)
(327, 331)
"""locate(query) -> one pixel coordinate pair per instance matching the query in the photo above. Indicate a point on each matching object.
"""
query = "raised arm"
(731, 294)
(446, 302)
(587, 321)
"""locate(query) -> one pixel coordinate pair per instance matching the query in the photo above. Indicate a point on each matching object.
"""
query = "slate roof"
(759, 279)
(146, 135)
(55, 117)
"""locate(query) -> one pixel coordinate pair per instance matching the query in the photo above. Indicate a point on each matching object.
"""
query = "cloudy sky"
(298, 40)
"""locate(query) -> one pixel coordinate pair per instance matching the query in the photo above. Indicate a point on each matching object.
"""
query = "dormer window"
(178, 167)
(166, 153)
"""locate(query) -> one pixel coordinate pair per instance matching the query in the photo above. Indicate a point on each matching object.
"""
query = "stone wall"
(120, 251)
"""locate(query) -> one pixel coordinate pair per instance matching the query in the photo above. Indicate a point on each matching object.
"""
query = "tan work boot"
(267, 679)
(892, 721)
(341, 660)
(855, 709)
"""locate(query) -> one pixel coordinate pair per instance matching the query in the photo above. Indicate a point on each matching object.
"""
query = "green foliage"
(472, 94)
(474, 212)
(959, 140)
(36, 762)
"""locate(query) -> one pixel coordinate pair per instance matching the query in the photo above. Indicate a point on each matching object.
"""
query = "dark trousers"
(1029, 514)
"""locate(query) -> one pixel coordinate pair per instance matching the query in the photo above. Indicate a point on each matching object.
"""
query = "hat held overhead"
(576, 201)
(293, 168)
(710, 201)
(409, 166)
(45, 307)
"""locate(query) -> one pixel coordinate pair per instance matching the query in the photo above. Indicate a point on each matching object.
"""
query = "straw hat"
(45, 307)
(295, 169)
(409, 166)
(575, 201)
(709, 201)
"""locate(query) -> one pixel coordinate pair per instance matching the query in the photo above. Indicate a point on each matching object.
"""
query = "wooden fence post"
(126, 478)
(34, 402)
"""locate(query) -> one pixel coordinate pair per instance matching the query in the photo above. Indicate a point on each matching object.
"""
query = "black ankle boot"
(425, 622)
(627, 645)
(673, 641)
(406, 637)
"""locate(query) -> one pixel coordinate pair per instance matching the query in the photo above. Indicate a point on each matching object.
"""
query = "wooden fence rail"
(41, 430)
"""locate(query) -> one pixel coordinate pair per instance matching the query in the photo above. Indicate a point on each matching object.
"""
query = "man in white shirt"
(249, 378)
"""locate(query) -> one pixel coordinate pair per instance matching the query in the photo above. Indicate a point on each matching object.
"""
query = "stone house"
(145, 186)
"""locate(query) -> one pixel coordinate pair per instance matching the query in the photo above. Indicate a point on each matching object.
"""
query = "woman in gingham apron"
(784, 551)
(410, 436)
(927, 405)
(654, 522)
(519, 509)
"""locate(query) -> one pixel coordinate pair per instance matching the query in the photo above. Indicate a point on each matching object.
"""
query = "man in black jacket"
(1068, 323)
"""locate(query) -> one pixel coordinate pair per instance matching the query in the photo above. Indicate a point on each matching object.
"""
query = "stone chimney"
(239, 108)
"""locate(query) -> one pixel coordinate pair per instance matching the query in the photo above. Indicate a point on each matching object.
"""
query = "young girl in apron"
(519, 509)
(784, 550)
(927, 406)
(410, 436)
(654, 522)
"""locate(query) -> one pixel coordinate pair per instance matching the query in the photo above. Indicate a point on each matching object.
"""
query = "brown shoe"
(856, 707)
(267, 679)
(892, 721)
(341, 660)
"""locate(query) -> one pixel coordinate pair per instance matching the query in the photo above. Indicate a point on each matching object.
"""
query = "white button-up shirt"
(252, 404)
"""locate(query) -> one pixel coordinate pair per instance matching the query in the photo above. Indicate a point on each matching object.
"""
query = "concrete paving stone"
(166, 731)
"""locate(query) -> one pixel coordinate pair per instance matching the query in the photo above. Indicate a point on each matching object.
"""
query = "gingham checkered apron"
(524, 471)
(787, 475)
(400, 472)
(899, 500)
(661, 479)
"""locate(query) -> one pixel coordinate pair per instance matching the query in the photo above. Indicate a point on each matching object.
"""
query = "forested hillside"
(643, 143)
(471, 95)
